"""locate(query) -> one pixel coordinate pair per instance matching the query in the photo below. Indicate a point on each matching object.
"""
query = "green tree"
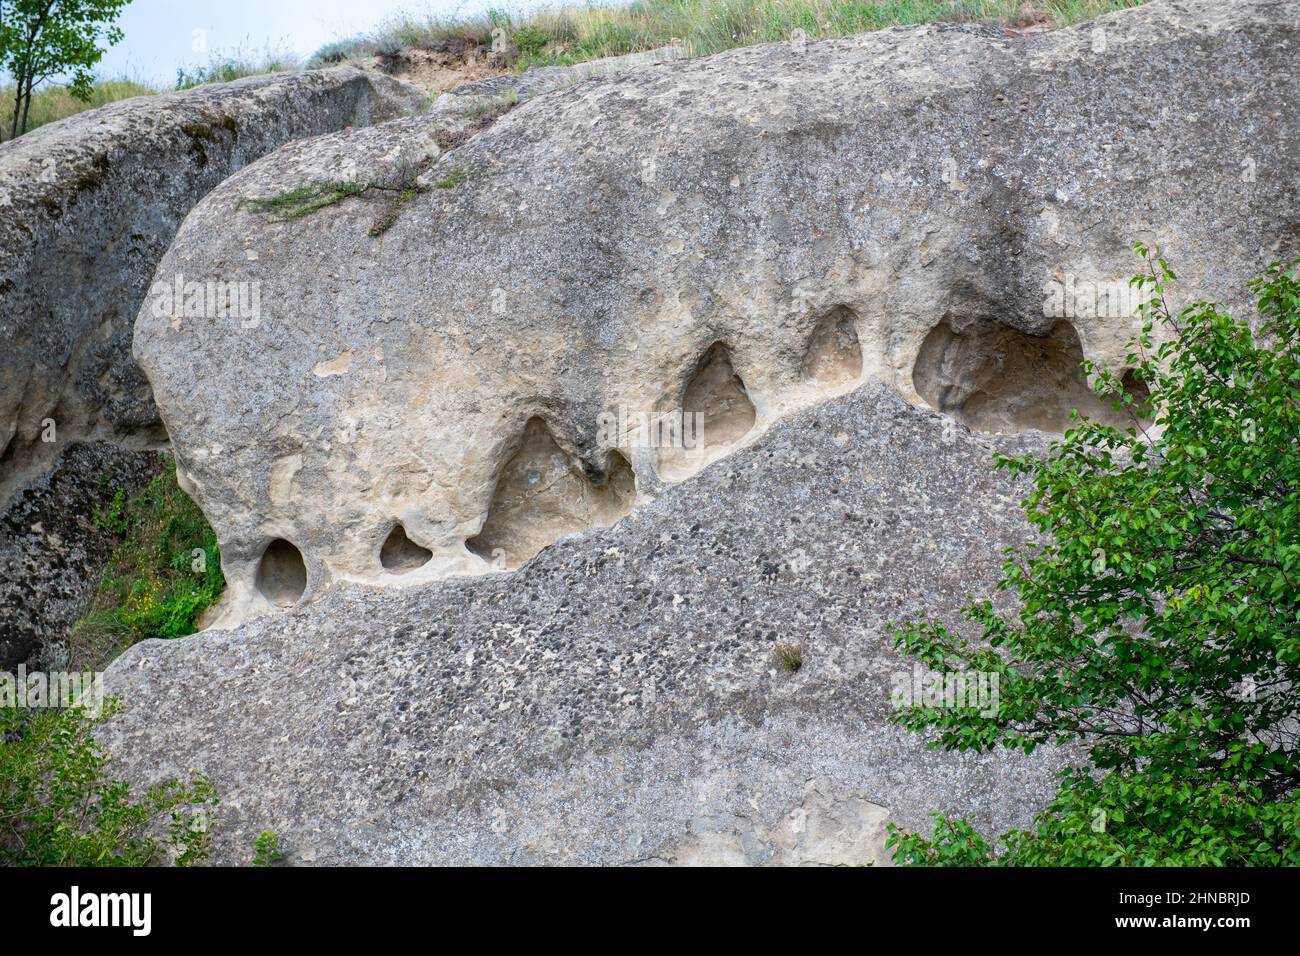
(41, 39)
(1157, 621)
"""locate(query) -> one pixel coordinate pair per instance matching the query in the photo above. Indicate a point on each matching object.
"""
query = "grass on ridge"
(54, 102)
(565, 34)
(222, 68)
(572, 33)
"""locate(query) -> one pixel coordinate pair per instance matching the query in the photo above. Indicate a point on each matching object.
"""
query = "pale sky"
(162, 35)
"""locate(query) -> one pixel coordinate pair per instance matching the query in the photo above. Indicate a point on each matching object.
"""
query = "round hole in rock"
(282, 574)
(400, 554)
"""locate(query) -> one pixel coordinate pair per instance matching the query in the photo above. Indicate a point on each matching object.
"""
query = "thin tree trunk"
(27, 106)
(27, 71)
(18, 103)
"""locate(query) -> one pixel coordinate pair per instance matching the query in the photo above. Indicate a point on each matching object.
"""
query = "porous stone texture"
(617, 700)
(589, 251)
(89, 204)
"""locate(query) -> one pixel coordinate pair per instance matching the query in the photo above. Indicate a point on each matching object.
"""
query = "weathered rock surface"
(800, 243)
(87, 208)
(88, 205)
(617, 699)
(548, 79)
(753, 232)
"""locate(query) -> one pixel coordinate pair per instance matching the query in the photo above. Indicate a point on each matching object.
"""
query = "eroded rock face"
(596, 247)
(617, 700)
(88, 205)
(996, 378)
(539, 498)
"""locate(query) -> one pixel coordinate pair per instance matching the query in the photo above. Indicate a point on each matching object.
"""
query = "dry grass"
(789, 655)
(574, 33)
(54, 102)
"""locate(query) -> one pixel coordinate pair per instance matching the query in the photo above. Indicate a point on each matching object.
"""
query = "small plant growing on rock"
(454, 176)
(266, 849)
(305, 198)
(789, 655)
(402, 185)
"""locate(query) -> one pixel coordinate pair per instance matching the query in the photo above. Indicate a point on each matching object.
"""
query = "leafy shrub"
(266, 850)
(530, 40)
(1159, 621)
(58, 807)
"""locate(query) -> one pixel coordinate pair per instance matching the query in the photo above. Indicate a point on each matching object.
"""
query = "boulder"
(89, 204)
(452, 334)
(620, 699)
(621, 397)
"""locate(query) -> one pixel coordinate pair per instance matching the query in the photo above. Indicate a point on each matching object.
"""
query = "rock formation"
(616, 391)
(618, 699)
(88, 205)
(944, 209)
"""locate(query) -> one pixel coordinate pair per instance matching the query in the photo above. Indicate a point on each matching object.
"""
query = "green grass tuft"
(789, 655)
(454, 177)
(305, 198)
(400, 187)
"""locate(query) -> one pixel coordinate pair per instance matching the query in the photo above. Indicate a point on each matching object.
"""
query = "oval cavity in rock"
(282, 574)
